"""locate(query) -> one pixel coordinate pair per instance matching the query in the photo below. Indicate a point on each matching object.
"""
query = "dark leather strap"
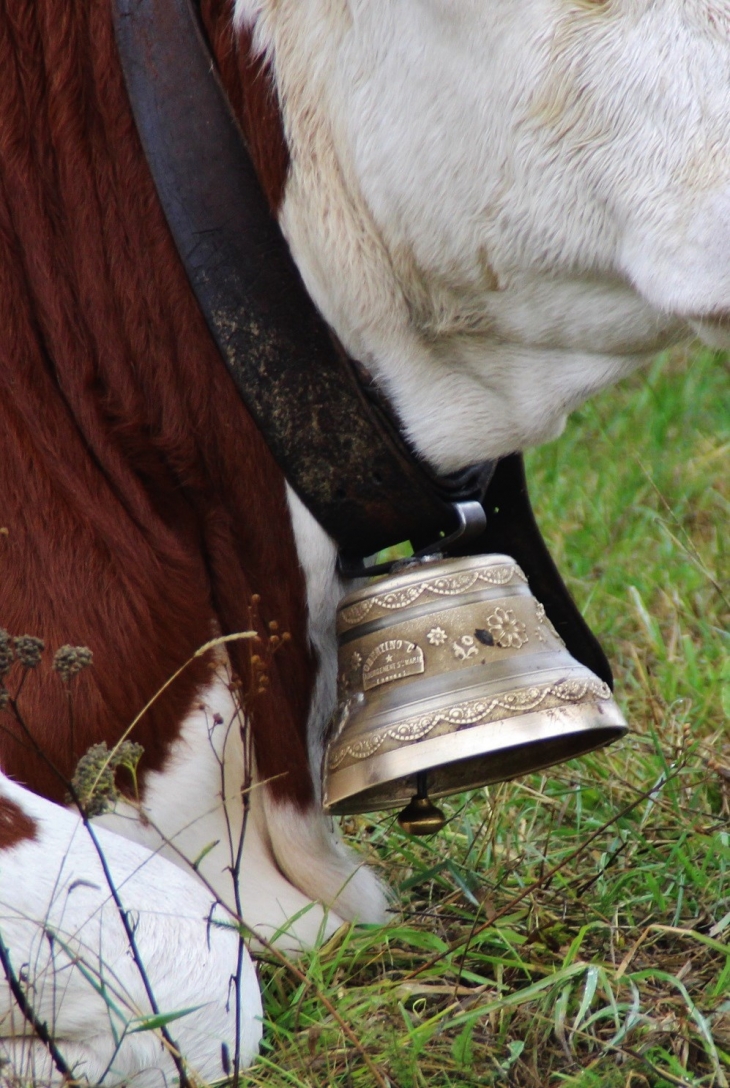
(341, 454)
(334, 439)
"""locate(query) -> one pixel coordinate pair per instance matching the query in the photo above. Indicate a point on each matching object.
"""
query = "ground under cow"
(500, 209)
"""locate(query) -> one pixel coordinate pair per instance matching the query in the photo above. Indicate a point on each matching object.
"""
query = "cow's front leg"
(70, 955)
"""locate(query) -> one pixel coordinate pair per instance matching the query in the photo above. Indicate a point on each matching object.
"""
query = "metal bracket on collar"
(472, 523)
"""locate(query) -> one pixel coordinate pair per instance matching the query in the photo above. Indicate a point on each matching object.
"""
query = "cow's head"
(500, 206)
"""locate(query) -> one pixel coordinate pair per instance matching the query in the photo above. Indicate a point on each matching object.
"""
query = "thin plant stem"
(174, 1050)
(245, 732)
(284, 960)
(211, 645)
(39, 1026)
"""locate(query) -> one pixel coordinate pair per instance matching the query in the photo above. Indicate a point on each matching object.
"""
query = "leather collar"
(337, 444)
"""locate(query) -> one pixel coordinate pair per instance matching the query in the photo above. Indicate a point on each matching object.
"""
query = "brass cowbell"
(451, 676)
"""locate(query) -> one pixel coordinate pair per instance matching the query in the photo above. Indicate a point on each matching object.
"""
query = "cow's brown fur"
(249, 84)
(142, 507)
(15, 826)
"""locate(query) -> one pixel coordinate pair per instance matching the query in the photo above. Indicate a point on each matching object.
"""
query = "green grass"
(615, 969)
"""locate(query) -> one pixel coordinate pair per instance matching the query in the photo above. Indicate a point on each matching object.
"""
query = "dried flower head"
(4, 697)
(6, 652)
(28, 650)
(128, 755)
(94, 778)
(70, 660)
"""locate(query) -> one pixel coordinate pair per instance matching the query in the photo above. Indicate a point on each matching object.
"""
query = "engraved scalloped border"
(446, 585)
(476, 712)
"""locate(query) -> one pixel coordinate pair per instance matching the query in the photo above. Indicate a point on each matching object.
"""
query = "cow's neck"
(347, 459)
(477, 362)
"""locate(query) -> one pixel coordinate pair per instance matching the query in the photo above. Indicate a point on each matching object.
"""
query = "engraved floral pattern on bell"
(506, 630)
(348, 679)
(473, 712)
(544, 621)
(436, 636)
(449, 585)
(465, 648)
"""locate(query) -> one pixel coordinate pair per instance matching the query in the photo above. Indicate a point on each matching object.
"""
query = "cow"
(500, 209)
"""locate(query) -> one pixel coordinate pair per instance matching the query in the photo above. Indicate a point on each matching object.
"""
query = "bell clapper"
(421, 816)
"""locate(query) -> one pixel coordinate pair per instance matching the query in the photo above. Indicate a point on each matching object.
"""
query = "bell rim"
(593, 725)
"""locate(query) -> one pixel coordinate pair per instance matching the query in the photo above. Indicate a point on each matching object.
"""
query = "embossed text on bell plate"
(391, 660)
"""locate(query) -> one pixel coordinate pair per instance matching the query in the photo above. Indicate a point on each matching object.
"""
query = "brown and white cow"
(500, 208)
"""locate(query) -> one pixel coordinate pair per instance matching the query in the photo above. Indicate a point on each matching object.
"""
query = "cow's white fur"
(500, 208)
(289, 858)
(192, 810)
(66, 941)
(504, 207)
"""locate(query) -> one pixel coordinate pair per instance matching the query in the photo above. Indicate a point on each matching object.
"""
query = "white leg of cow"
(306, 845)
(66, 944)
(312, 856)
(289, 858)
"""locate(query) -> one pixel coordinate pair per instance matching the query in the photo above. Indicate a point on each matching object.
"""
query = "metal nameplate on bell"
(451, 672)
(391, 660)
